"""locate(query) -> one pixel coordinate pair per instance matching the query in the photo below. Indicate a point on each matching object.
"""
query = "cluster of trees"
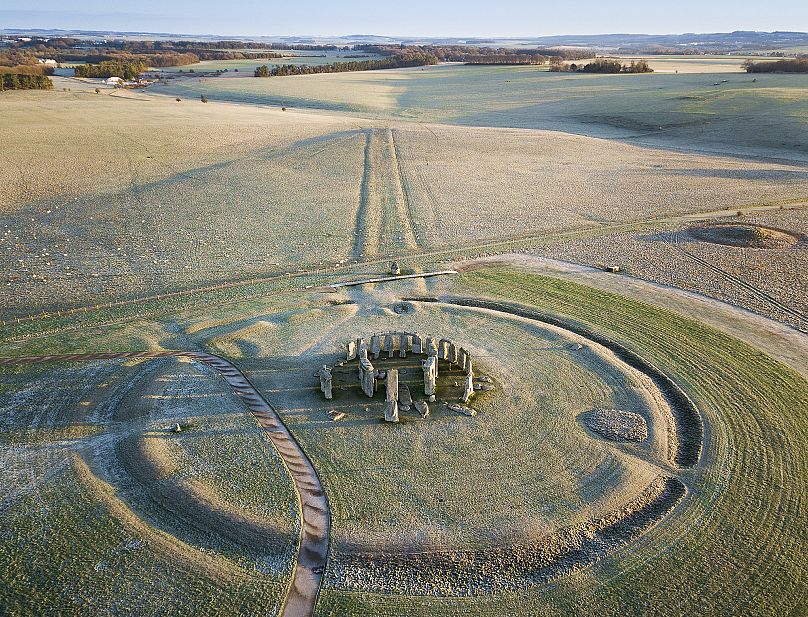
(152, 53)
(27, 69)
(504, 59)
(602, 65)
(480, 55)
(17, 81)
(798, 65)
(124, 70)
(392, 62)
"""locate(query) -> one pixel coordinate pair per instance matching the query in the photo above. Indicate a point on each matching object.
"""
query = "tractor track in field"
(361, 235)
(315, 516)
(801, 318)
(408, 216)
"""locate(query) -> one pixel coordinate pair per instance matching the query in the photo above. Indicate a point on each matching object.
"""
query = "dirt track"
(315, 516)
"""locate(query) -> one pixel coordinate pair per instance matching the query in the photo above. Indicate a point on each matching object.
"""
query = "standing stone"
(395, 269)
(389, 345)
(403, 343)
(417, 344)
(351, 354)
(468, 389)
(452, 353)
(430, 367)
(375, 346)
(391, 397)
(464, 360)
(404, 397)
(443, 349)
(367, 374)
(325, 381)
(431, 346)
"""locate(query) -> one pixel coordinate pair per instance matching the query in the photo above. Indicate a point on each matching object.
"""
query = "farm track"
(411, 229)
(434, 209)
(471, 248)
(314, 511)
(801, 318)
(361, 235)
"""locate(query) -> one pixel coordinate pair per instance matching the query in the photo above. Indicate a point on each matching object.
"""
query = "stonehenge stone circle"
(398, 396)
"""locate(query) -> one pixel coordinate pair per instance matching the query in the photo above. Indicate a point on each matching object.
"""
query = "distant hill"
(739, 41)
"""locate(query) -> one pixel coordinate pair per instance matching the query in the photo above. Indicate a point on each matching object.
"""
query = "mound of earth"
(744, 234)
(616, 425)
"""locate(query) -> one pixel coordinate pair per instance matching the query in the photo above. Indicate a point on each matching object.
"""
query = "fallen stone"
(466, 411)
(422, 408)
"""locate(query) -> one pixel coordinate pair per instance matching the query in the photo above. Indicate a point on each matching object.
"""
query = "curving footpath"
(315, 516)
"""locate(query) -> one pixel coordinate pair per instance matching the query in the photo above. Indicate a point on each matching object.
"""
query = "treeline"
(124, 70)
(480, 55)
(517, 59)
(797, 65)
(28, 69)
(392, 62)
(153, 53)
(18, 81)
(602, 65)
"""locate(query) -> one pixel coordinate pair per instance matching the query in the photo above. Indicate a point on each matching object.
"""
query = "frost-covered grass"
(96, 491)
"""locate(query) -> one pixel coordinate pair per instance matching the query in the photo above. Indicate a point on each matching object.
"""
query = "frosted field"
(765, 117)
(483, 183)
(180, 194)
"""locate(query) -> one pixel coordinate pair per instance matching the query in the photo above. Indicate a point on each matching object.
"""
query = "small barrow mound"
(616, 425)
(744, 235)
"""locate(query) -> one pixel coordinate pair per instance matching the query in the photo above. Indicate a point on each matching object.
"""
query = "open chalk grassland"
(769, 281)
(468, 183)
(109, 511)
(319, 192)
(733, 545)
(102, 144)
(342, 92)
(267, 211)
(764, 117)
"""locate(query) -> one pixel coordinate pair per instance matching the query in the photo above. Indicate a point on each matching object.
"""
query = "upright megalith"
(325, 381)
(391, 397)
(430, 367)
(431, 346)
(417, 344)
(351, 351)
(443, 349)
(452, 356)
(403, 344)
(468, 388)
(389, 345)
(367, 374)
(404, 397)
(464, 360)
(375, 345)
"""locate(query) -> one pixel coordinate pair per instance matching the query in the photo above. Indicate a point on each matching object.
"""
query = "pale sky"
(478, 18)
